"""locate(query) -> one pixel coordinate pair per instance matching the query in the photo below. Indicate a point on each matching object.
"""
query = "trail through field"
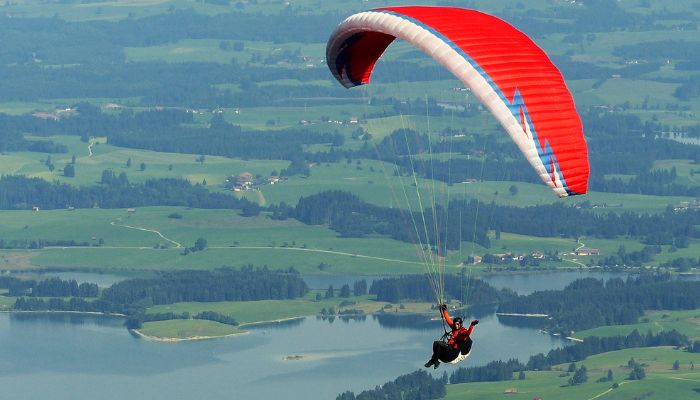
(580, 264)
(177, 245)
(608, 391)
(340, 253)
(90, 148)
(685, 379)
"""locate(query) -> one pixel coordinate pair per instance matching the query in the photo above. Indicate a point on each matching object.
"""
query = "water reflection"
(523, 322)
(40, 353)
(395, 321)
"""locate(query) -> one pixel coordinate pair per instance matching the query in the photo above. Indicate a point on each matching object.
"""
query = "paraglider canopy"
(504, 68)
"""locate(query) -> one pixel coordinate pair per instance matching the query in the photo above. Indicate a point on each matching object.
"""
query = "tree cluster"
(638, 372)
(350, 217)
(226, 284)
(114, 192)
(588, 303)
(51, 287)
(418, 288)
(596, 345)
(417, 385)
(491, 372)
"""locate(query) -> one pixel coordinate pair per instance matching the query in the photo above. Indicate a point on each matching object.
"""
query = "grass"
(661, 381)
(129, 241)
(512, 242)
(208, 50)
(187, 329)
(6, 302)
(686, 322)
(252, 312)
(158, 164)
(684, 171)
(247, 312)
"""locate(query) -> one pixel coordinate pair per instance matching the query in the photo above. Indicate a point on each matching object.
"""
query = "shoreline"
(140, 334)
(90, 313)
(522, 315)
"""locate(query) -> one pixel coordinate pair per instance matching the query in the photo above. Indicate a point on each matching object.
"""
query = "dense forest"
(21, 193)
(417, 385)
(349, 216)
(418, 288)
(588, 303)
(93, 62)
(132, 296)
(227, 284)
(52, 287)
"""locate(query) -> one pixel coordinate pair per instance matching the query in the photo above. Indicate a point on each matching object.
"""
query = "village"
(246, 181)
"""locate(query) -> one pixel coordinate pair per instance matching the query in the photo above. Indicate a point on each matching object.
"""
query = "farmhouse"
(587, 252)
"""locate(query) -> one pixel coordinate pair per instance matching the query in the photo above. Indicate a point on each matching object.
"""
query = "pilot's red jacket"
(458, 336)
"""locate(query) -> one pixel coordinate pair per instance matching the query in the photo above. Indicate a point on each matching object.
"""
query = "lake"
(73, 357)
(522, 283)
(66, 356)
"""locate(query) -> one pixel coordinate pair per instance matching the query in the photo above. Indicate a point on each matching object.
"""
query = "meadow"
(661, 381)
(686, 322)
(156, 238)
(89, 166)
(253, 312)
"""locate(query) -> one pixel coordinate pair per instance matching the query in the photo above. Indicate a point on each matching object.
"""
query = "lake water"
(63, 356)
(80, 357)
(522, 283)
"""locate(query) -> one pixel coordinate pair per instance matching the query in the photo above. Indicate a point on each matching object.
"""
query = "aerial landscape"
(245, 199)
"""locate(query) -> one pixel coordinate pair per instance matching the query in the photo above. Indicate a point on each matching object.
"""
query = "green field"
(147, 238)
(131, 241)
(686, 322)
(250, 312)
(372, 180)
(661, 381)
(89, 168)
(6, 302)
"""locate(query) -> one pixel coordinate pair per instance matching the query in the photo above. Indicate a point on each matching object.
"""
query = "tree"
(513, 190)
(128, 163)
(142, 167)
(359, 288)
(572, 367)
(329, 292)
(345, 291)
(200, 244)
(521, 375)
(610, 375)
(638, 372)
(250, 209)
(580, 376)
(72, 160)
(69, 171)
(676, 365)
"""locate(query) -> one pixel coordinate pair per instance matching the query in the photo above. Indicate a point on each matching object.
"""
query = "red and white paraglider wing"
(504, 68)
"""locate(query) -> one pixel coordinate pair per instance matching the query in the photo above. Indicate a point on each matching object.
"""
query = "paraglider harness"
(464, 348)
